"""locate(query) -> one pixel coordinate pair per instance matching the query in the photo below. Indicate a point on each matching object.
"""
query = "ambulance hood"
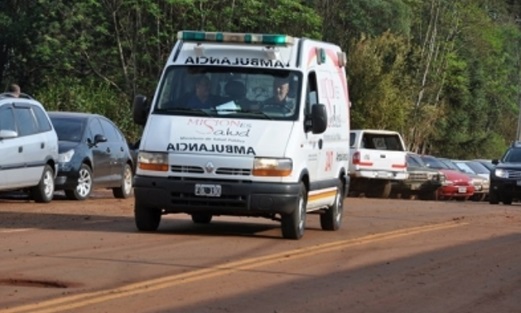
(219, 136)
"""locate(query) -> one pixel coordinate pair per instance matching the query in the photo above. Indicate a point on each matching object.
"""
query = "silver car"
(28, 147)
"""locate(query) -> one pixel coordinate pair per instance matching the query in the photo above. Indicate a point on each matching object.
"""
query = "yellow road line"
(15, 230)
(84, 299)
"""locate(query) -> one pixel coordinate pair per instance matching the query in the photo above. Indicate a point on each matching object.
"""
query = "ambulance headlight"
(272, 167)
(152, 161)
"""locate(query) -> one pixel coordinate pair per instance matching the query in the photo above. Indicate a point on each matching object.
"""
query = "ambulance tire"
(201, 218)
(146, 218)
(331, 219)
(294, 224)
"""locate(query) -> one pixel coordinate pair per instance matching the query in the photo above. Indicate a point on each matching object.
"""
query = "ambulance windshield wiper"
(241, 111)
(182, 110)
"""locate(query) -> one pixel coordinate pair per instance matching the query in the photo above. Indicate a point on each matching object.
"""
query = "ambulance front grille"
(233, 171)
(185, 169)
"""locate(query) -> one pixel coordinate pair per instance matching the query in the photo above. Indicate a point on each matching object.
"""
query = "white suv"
(28, 147)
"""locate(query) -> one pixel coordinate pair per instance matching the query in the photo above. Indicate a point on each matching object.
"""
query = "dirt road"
(389, 256)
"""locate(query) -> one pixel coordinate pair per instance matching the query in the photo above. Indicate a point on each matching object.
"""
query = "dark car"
(505, 178)
(423, 182)
(93, 154)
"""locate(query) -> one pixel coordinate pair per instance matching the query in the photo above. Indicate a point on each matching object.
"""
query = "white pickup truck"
(378, 158)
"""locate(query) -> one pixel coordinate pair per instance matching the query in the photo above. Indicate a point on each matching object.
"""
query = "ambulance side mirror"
(140, 110)
(317, 121)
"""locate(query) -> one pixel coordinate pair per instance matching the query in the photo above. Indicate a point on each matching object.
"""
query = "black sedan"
(93, 154)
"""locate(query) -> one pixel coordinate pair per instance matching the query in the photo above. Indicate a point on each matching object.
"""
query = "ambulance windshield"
(245, 92)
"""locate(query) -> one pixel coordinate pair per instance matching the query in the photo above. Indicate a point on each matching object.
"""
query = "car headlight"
(499, 172)
(153, 161)
(272, 167)
(476, 181)
(66, 157)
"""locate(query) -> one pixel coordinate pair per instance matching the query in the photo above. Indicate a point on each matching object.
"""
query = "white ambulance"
(245, 124)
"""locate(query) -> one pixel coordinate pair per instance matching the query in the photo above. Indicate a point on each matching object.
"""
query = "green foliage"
(92, 96)
(380, 95)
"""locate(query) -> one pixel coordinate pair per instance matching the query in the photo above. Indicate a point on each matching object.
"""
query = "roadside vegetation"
(446, 74)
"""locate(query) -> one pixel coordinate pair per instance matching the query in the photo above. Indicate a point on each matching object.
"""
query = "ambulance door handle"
(320, 144)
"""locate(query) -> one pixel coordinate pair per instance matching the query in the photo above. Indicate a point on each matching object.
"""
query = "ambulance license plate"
(207, 190)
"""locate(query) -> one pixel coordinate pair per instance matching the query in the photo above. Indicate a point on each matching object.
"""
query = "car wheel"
(201, 218)
(294, 224)
(146, 218)
(125, 190)
(331, 219)
(84, 187)
(44, 191)
(506, 199)
(429, 195)
(406, 195)
(381, 189)
(493, 197)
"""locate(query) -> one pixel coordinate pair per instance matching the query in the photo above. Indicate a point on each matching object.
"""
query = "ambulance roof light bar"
(226, 37)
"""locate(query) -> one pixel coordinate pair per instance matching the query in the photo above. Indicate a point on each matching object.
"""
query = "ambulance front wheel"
(294, 224)
(146, 218)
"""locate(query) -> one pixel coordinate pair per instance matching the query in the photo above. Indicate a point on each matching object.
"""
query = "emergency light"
(226, 37)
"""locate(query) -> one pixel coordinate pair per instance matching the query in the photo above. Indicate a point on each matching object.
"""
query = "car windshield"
(463, 166)
(478, 167)
(450, 165)
(414, 160)
(68, 129)
(513, 155)
(229, 92)
(433, 162)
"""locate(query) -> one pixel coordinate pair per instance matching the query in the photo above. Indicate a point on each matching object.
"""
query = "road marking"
(84, 299)
(7, 231)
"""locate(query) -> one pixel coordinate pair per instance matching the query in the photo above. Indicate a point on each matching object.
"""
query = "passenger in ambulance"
(280, 101)
(202, 98)
(236, 92)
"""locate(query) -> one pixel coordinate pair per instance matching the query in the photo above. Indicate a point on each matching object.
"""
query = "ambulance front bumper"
(244, 198)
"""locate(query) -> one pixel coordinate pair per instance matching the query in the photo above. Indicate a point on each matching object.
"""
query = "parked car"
(479, 168)
(481, 185)
(423, 182)
(487, 163)
(457, 185)
(505, 179)
(93, 154)
(28, 147)
(475, 171)
(378, 160)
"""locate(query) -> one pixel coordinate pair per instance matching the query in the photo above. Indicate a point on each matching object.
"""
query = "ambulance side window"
(311, 93)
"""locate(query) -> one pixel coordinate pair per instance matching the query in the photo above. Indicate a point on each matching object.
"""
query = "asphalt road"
(389, 256)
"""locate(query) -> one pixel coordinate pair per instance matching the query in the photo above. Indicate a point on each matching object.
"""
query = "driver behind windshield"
(202, 98)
